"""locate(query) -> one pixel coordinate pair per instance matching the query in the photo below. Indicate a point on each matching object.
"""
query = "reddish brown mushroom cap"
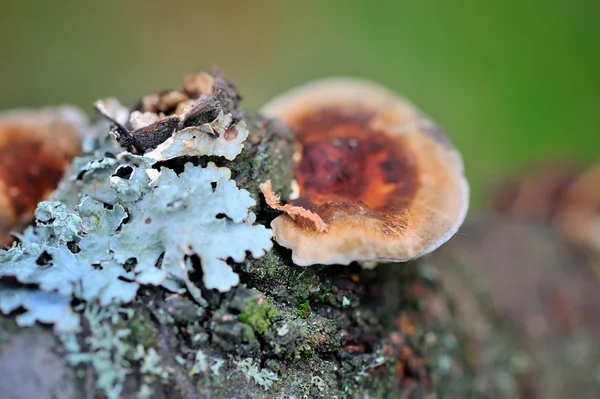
(386, 181)
(36, 146)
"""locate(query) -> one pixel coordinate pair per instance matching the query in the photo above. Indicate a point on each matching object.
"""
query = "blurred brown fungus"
(555, 192)
(580, 221)
(36, 146)
(385, 181)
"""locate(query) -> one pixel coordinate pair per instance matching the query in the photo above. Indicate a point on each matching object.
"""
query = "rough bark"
(505, 311)
(527, 304)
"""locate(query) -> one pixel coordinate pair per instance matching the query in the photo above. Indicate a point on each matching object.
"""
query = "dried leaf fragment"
(294, 212)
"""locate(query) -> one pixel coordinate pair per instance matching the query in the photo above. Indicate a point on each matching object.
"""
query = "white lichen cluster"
(151, 370)
(106, 349)
(263, 377)
(116, 222)
(184, 216)
(204, 364)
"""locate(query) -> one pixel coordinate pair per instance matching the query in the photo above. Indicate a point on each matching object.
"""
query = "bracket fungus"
(378, 180)
(36, 147)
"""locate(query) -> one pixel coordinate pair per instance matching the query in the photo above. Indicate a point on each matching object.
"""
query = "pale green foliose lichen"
(185, 215)
(205, 364)
(42, 307)
(263, 377)
(106, 348)
(65, 224)
(116, 223)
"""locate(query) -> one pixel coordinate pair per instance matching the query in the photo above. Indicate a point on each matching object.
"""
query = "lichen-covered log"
(151, 274)
(140, 264)
(444, 326)
(333, 332)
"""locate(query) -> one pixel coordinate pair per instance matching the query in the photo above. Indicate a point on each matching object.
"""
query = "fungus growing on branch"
(36, 147)
(383, 178)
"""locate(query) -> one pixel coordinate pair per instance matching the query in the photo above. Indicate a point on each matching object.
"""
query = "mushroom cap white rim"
(410, 122)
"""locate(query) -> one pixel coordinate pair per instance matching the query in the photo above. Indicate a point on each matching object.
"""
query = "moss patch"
(303, 309)
(258, 313)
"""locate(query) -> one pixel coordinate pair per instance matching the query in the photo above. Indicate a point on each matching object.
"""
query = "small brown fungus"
(383, 179)
(199, 83)
(36, 146)
(165, 101)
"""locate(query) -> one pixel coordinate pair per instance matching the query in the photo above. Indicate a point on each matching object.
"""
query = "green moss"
(143, 330)
(259, 314)
(276, 274)
(303, 309)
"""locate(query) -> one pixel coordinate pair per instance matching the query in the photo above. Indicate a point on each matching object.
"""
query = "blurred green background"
(513, 82)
